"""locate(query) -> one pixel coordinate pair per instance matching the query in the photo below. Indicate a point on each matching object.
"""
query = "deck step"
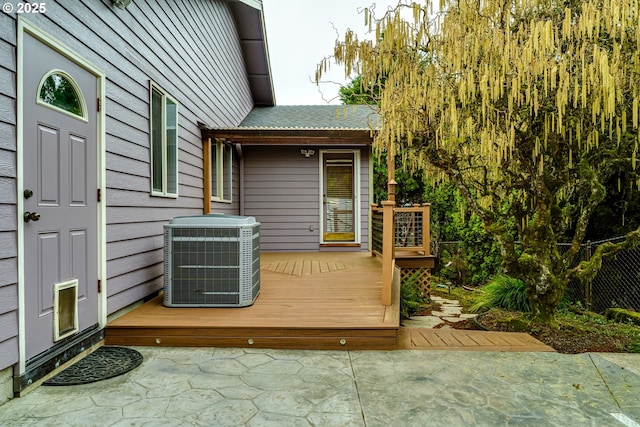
(468, 340)
(285, 338)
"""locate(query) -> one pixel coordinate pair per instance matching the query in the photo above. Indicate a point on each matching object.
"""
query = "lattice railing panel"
(423, 280)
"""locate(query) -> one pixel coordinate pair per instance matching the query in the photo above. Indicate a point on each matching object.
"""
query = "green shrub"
(453, 267)
(477, 256)
(410, 299)
(633, 348)
(503, 292)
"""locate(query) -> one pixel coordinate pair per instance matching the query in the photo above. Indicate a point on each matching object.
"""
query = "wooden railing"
(412, 231)
(399, 233)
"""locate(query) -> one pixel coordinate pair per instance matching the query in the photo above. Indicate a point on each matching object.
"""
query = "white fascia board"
(256, 4)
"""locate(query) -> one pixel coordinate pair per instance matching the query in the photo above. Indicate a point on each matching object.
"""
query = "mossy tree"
(527, 106)
(410, 188)
(449, 219)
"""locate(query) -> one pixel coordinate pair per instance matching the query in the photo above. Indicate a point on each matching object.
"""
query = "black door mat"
(106, 362)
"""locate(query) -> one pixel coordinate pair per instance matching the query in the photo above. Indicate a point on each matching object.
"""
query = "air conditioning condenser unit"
(211, 261)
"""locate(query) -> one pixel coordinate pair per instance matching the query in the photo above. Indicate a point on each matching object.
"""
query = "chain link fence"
(617, 284)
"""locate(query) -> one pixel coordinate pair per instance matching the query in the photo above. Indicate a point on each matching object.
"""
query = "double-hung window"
(221, 171)
(164, 143)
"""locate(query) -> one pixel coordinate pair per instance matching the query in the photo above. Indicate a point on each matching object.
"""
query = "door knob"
(27, 193)
(31, 216)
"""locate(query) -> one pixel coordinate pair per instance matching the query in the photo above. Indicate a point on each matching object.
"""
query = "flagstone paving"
(450, 311)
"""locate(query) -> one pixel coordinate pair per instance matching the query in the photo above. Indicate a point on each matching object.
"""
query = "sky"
(299, 34)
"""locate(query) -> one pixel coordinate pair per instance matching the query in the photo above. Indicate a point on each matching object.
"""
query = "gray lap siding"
(8, 197)
(190, 50)
(282, 190)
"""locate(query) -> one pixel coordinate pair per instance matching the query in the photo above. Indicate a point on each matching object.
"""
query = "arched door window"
(60, 92)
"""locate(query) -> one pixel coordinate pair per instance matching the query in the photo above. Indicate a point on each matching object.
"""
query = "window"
(164, 143)
(221, 175)
(60, 92)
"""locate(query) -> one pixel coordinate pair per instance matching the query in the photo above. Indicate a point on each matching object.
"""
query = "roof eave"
(249, 17)
(293, 136)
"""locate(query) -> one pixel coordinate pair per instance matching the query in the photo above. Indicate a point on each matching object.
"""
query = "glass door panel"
(338, 198)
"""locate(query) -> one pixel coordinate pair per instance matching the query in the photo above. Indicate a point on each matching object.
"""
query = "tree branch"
(587, 270)
(596, 194)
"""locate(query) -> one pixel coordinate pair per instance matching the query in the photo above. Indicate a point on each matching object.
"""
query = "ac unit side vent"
(212, 261)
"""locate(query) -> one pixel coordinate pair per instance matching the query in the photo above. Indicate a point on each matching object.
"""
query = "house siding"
(282, 192)
(8, 197)
(197, 59)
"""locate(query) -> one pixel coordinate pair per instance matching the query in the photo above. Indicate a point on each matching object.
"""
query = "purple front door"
(60, 196)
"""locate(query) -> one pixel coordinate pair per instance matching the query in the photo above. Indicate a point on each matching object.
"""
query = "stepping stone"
(454, 319)
(448, 311)
(423, 322)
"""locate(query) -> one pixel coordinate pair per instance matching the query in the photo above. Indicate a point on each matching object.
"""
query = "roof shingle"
(313, 117)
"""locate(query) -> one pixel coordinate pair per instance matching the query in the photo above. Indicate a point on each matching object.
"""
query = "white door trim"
(357, 193)
(24, 26)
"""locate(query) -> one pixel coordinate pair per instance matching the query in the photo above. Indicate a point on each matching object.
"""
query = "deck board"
(304, 266)
(455, 339)
(313, 301)
(306, 300)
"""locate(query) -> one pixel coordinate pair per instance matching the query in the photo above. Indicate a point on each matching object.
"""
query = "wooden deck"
(307, 301)
(315, 301)
(454, 339)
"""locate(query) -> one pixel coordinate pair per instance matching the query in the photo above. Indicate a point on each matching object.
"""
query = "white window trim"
(83, 104)
(223, 173)
(165, 173)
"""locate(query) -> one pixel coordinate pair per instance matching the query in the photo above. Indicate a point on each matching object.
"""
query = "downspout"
(241, 185)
